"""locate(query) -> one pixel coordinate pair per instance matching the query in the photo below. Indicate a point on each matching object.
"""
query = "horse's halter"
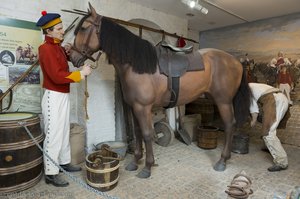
(84, 51)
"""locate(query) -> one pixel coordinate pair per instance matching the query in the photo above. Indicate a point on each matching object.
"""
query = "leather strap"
(174, 89)
(173, 86)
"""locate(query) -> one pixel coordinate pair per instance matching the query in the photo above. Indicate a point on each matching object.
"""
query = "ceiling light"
(195, 4)
(192, 4)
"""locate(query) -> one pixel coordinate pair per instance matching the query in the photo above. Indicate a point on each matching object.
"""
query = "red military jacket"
(285, 78)
(54, 64)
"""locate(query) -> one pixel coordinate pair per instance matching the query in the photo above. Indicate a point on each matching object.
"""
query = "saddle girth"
(173, 84)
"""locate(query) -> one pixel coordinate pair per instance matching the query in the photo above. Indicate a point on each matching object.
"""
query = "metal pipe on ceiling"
(224, 10)
(140, 27)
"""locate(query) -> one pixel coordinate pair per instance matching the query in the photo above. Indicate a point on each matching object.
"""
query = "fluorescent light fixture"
(195, 4)
(204, 10)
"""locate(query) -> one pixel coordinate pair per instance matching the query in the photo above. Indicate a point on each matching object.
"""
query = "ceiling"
(223, 12)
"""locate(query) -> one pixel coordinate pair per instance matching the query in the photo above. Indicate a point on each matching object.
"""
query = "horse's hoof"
(144, 173)
(220, 166)
(131, 166)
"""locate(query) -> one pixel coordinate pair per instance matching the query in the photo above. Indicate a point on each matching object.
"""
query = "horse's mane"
(127, 48)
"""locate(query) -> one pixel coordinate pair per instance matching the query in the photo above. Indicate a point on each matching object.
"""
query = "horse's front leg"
(227, 115)
(138, 151)
(144, 117)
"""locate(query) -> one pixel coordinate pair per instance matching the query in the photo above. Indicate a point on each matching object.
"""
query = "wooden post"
(1, 93)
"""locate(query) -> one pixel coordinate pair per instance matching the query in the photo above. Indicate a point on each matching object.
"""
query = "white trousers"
(271, 140)
(56, 113)
(286, 89)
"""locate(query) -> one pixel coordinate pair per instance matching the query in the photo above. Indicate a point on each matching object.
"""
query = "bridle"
(84, 51)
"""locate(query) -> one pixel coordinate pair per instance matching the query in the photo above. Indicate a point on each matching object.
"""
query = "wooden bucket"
(21, 162)
(207, 137)
(103, 169)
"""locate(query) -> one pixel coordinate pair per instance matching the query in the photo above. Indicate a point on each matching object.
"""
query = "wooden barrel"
(102, 171)
(207, 137)
(21, 162)
(202, 106)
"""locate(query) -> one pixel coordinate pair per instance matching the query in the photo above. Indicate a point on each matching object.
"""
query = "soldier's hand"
(254, 119)
(85, 71)
(252, 123)
(68, 48)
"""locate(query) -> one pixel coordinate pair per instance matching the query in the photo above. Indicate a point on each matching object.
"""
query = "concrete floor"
(186, 172)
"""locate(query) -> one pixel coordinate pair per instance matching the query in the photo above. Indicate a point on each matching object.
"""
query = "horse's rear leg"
(138, 151)
(227, 115)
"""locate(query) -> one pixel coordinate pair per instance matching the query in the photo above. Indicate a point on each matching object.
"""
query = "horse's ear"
(92, 10)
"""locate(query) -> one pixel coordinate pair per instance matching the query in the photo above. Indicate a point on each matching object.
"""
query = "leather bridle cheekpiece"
(84, 51)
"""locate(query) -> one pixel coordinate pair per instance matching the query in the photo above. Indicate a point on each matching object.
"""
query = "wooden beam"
(150, 29)
(119, 21)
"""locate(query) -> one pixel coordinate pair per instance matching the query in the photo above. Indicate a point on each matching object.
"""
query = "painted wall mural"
(262, 40)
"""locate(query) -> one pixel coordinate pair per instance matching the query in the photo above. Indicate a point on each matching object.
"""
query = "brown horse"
(144, 87)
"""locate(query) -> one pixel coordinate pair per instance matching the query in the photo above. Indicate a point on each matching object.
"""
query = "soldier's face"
(57, 32)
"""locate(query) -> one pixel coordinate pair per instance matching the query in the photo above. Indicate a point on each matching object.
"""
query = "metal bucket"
(21, 162)
(103, 169)
(116, 146)
(240, 144)
(207, 137)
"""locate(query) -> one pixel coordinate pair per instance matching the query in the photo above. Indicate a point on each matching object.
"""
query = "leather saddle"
(174, 62)
(187, 49)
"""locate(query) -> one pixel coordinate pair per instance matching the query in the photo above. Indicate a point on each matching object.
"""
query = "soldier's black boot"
(56, 180)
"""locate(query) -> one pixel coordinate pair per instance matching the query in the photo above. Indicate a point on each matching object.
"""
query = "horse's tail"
(241, 101)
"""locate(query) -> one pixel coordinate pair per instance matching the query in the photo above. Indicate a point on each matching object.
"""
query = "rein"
(85, 53)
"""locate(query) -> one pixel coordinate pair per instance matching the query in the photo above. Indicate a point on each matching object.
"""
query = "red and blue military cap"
(48, 20)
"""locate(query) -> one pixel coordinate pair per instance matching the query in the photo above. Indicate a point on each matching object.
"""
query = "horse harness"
(85, 52)
(175, 62)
